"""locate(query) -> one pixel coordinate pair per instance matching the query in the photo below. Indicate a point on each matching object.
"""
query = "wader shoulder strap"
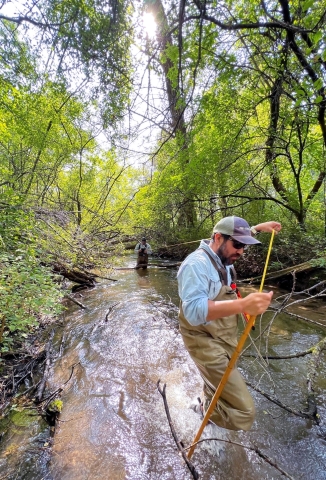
(233, 274)
(221, 271)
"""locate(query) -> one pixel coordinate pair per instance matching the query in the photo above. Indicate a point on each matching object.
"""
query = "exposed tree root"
(16, 372)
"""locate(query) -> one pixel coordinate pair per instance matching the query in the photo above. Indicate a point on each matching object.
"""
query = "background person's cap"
(143, 239)
(237, 228)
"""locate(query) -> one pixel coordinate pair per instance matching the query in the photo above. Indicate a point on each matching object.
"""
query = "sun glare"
(149, 25)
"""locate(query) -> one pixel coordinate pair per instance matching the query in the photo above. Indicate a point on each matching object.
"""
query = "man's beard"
(226, 260)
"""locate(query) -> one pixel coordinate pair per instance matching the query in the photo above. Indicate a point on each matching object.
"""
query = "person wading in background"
(143, 249)
(209, 314)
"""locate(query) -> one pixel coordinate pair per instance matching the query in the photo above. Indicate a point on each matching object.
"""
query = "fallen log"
(95, 275)
(150, 265)
(301, 267)
(74, 274)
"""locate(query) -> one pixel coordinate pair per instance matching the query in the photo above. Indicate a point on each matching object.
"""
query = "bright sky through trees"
(149, 24)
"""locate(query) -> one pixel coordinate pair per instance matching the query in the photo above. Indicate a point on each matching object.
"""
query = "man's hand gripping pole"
(232, 361)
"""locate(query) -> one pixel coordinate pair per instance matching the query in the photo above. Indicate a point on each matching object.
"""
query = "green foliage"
(295, 246)
(249, 143)
(27, 290)
(91, 40)
(255, 146)
(51, 164)
(321, 261)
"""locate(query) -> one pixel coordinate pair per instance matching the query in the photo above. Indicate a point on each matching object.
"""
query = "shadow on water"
(113, 424)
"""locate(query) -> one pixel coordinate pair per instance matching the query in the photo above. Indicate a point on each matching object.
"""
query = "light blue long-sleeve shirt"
(198, 282)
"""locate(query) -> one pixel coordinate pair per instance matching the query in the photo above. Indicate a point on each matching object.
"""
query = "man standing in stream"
(143, 249)
(209, 313)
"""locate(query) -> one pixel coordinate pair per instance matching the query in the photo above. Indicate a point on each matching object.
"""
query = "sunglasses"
(238, 245)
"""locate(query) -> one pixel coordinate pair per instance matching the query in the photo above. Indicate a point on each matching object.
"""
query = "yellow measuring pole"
(232, 361)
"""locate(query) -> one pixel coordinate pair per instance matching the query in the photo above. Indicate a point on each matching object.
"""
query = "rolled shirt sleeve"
(198, 282)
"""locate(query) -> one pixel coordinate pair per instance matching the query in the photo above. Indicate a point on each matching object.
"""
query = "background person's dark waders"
(142, 260)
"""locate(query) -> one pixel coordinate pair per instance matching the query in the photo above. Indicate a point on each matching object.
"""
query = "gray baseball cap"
(237, 228)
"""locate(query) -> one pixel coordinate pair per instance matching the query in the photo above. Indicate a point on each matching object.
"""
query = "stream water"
(113, 424)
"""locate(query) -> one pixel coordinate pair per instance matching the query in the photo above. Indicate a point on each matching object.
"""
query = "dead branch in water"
(75, 301)
(279, 357)
(311, 411)
(171, 321)
(95, 275)
(305, 319)
(106, 318)
(46, 370)
(178, 443)
(253, 449)
(110, 310)
(59, 390)
(285, 305)
(312, 371)
(105, 278)
(315, 351)
(320, 346)
(183, 449)
(14, 374)
(310, 415)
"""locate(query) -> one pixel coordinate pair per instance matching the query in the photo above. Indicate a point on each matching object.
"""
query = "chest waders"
(142, 259)
(211, 347)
